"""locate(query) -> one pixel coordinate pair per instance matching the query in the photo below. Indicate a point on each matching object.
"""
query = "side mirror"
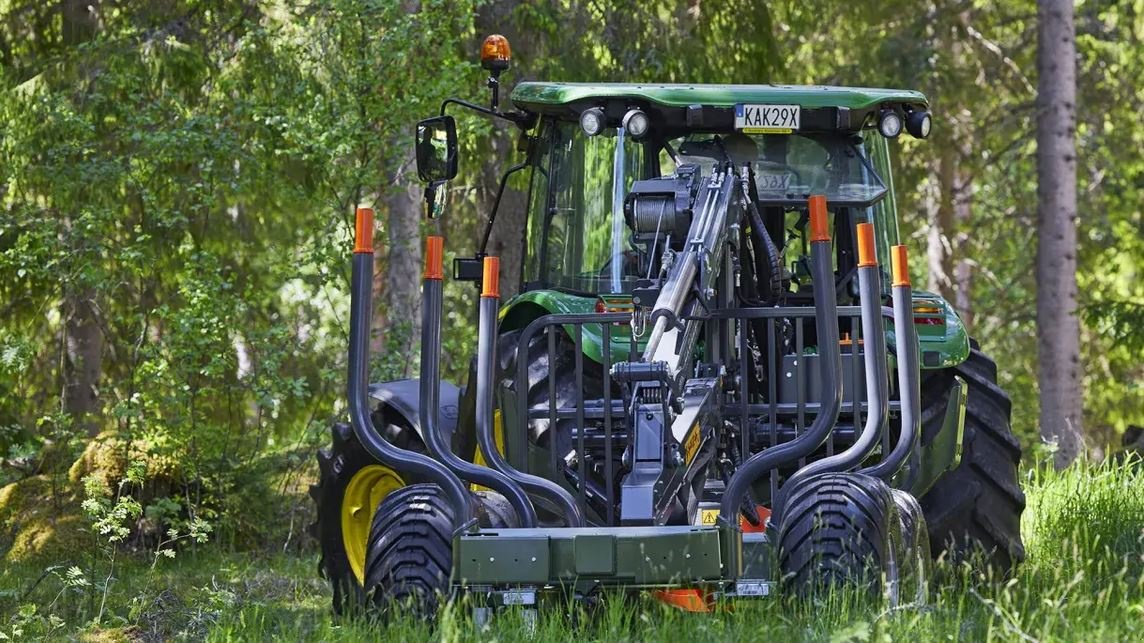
(436, 147)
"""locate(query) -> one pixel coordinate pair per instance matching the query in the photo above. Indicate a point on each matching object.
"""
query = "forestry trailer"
(716, 381)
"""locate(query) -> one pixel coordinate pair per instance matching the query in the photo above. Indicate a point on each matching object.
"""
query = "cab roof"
(541, 96)
(677, 109)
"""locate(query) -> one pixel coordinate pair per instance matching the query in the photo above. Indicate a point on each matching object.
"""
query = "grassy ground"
(1083, 581)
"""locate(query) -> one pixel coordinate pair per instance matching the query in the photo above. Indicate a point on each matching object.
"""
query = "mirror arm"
(496, 205)
(524, 121)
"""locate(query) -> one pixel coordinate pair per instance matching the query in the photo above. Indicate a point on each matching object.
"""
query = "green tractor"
(716, 380)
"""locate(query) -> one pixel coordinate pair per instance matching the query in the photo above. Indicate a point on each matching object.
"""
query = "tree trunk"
(947, 252)
(507, 235)
(1058, 328)
(938, 249)
(398, 328)
(83, 359)
(83, 337)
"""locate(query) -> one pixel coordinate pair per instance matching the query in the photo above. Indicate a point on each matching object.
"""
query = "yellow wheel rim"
(369, 486)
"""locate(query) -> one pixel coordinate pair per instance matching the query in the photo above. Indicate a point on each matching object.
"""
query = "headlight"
(636, 123)
(592, 121)
(919, 123)
(890, 124)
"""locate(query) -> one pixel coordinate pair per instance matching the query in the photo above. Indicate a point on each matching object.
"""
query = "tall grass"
(1083, 580)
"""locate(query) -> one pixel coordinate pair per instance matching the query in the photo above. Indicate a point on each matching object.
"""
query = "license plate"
(767, 119)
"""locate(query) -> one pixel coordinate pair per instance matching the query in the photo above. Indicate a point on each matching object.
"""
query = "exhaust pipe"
(909, 377)
(830, 373)
(430, 382)
(361, 312)
(877, 385)
(486, 375)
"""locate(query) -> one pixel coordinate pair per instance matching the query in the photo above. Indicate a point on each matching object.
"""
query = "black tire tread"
(977, 506)
(835, 528)
(409, 557)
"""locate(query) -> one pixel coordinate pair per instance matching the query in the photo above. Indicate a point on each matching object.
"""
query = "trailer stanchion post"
(909, 377)
(486, 378)
(361, 312)
(430, 389)
(830, 373)
(874, 353)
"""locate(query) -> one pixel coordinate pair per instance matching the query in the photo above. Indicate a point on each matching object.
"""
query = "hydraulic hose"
(877, 386)
(430, 384)
(394, 457)
(763, 238)
(909, 377)
(486, 375)
(830, 373)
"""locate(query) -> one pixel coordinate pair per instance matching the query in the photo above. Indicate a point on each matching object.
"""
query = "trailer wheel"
(350, 486)
(977, 506)
(839, 529)
(915, 563)
(410, 557)
(410, 551)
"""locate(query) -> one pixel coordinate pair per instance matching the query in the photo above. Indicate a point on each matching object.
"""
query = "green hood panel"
(519, 311)
(942, 346)
(534, 94)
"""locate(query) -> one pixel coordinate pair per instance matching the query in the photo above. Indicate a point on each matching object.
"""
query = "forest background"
(178, 180)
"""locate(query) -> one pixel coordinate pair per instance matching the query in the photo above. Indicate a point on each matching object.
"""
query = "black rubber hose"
(766, 246)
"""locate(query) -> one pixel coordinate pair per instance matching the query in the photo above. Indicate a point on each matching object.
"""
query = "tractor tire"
(537, 388)
(837, 530)
(537, 396)
(914, 561)
(410, 550)
(975, 508)
(338, 467)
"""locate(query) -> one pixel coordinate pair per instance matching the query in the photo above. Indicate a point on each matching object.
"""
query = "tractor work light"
(495, 53)
(890, 124)
(592, 121)
(919, 123)
(636, 123)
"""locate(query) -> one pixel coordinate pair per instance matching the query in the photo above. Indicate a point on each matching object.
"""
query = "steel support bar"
(909, 375)
(486, 376)
(431, 288)
(830, 366)
(398, 459)
(877, 385)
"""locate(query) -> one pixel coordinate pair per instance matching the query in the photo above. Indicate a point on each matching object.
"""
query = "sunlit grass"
(1083, 581)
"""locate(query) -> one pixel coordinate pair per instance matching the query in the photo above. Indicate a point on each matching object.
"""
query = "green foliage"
(179, 178)
(1082, 581)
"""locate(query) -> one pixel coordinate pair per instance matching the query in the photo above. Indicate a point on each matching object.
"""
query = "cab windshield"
(789, 168)
(577, 236)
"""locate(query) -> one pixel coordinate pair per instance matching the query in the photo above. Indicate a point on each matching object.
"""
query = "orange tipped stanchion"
(867, 253)
(900, 265)
(819, 221)
(363, 231)
(490, 281)
(434, 258)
